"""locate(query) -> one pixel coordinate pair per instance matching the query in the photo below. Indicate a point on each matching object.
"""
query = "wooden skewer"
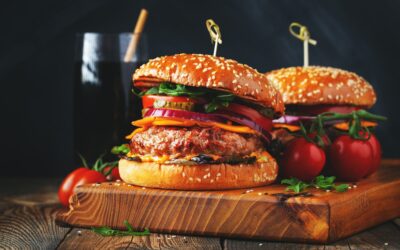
(137, 32)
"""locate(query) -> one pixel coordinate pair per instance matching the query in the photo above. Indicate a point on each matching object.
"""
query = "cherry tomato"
(351, 159)
(76, 178)
(148, 100)
(302, 159)
(318, 109)
(377, 151)
(252, 114)
(325, 139)
(114, 175)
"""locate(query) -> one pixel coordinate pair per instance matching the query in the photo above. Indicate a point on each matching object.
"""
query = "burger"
(206, 125)
(311, 91)
(326, 126)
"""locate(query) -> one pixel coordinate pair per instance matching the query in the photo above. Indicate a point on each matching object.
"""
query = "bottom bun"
(198, 177)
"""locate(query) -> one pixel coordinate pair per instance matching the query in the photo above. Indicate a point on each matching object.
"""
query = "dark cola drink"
(104, 105)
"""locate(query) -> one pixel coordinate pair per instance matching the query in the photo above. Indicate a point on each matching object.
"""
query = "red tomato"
(377, 151)
(114, 175)
(325, 139)
(318, 109)
(76, 178)
(302, 159)
(148, 100)
(252, 114)
(351, 159)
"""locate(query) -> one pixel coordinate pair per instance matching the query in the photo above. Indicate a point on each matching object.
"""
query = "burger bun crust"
(316, 85)
(198, 177)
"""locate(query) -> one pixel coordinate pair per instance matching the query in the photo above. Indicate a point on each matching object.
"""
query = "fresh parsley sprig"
(171, 89)
(321, 182)
(221, 100)
(120, 150)
(218, 98)
(295, 184)
(107, 231)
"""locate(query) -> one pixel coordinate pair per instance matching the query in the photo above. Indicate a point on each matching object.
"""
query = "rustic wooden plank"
(86, 239)
(397, 222)
(374, 238)
(220, 213)
(247, 245)
(167, 241)
(386, 236)
(259, 213)
(23, 227)
(377, 201)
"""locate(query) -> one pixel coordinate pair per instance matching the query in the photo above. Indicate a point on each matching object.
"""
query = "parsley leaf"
(122, 149)
(341, 188)
(151, 91)
(107, 231)
(327, 183)
(295, 184)
(172, 89)
(321, 182)
(221, 100)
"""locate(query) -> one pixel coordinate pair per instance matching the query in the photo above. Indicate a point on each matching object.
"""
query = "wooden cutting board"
(267, 213)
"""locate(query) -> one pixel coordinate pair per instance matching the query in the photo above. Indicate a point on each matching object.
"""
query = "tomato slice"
(318, 109)
(252, 114)
(148, 100)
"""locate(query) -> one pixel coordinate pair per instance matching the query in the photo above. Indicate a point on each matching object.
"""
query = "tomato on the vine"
(302, 159)
(353, 159)
(112, 173)
(86, 175)
(76, 178)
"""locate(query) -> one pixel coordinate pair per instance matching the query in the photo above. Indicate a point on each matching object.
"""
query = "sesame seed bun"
(317, 85)
(211, 72)
(198, 177)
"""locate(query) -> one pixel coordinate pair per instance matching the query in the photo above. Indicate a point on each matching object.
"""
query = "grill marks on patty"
(182, 141)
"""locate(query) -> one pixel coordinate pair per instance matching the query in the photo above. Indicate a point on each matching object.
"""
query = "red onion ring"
(221, 118)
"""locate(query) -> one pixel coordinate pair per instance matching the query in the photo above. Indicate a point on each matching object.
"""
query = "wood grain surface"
(259, 213)
(29, 224)
(27, 221)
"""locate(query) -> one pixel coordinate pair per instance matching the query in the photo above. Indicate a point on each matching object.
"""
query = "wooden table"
(28, 208)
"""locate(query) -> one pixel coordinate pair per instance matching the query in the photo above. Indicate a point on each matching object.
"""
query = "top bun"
(316, 85)
(214, 73)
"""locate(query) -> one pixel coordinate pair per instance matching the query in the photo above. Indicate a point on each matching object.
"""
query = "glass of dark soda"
(104, 105)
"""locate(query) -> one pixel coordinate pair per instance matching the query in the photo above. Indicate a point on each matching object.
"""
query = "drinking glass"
(104, 105)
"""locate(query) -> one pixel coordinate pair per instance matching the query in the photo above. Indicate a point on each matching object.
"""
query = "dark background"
(37, 51)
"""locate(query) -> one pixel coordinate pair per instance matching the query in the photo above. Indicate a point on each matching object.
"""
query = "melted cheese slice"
(160, 121)
(345, 125)
(291, 128)
(134, 132)
(261, 157)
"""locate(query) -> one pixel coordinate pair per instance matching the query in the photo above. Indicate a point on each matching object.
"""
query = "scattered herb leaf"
(107, 231)
(341, 188)
(321, 182)
(122, 149)
(295, 184)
